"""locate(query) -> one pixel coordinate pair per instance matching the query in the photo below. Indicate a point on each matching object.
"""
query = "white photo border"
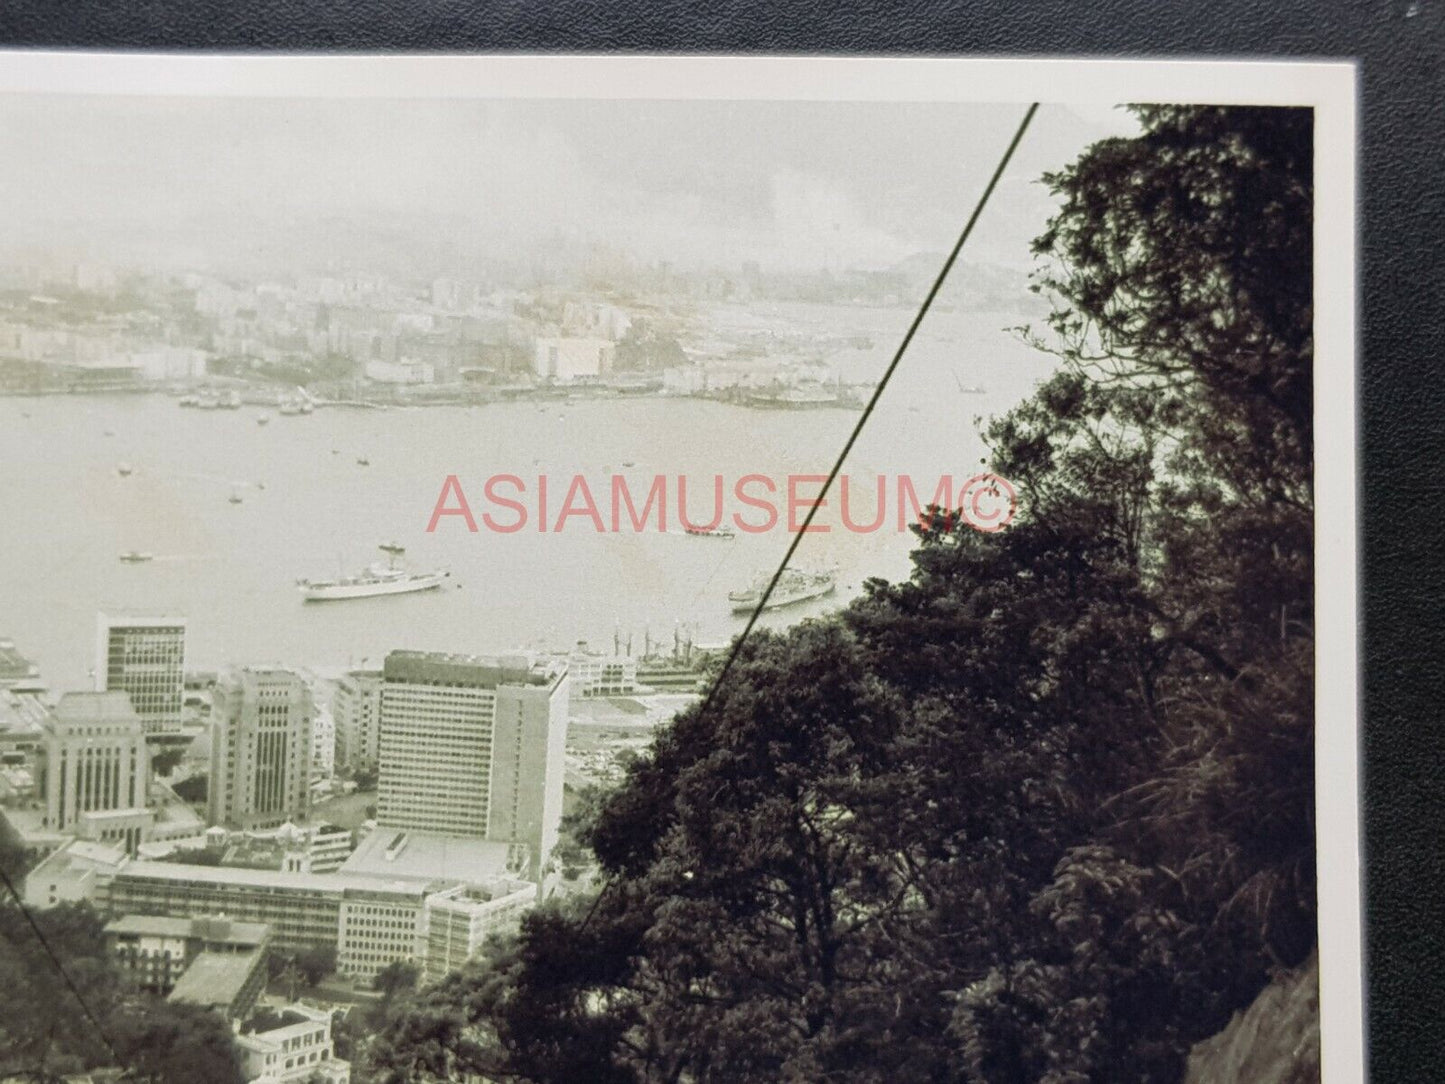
(1329, 87)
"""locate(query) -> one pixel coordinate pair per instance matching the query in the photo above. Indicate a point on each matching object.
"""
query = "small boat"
(396, 549)
(125, 470)
(135, 557)
(262, 419)
(362, 461)
(720, 531)
(629, 464)
(234, 498)
(110, 432)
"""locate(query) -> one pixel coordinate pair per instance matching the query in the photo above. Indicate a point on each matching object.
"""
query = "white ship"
(794, 586)
(377, 579)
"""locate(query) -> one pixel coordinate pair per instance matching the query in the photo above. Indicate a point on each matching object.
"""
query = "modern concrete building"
(260, 749)
(356, 709)
(593, 673)
(459, 920)
(371, 921)
(143, 655)
(473, 747)
(96, 760)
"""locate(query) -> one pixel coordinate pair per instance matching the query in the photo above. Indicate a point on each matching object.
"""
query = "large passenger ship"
(794, 586)
(376, 579)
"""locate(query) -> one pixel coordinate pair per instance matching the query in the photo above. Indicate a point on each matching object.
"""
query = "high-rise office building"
(474, 747)
(95, 760)
(144, 655)
(356, 708)
(260, 748)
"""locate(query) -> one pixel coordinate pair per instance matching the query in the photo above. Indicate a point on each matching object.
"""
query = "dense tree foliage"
(45, 1033)
(1042, 813)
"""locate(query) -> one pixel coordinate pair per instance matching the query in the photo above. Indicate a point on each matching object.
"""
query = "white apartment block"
(459, 920)
(473, 747)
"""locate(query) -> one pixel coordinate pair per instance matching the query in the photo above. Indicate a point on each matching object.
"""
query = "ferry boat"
(801, 397)
(794, 586)
(135, 557)
(377, 579)
(722, 530)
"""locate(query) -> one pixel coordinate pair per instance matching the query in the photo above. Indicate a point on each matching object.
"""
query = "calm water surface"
(308, 509)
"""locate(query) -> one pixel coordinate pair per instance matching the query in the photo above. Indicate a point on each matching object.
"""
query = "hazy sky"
(226, 181)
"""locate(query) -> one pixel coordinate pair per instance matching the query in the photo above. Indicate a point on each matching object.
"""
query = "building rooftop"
(478, 671)
(113, 706)
(420, 856)
(338, 883)
(216, 978)
(77, 858)
(216, 928)
(23, 717)
(140, 619)
(15, 667)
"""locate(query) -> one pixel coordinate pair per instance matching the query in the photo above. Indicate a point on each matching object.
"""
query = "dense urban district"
(369, 339)
(1042, 813)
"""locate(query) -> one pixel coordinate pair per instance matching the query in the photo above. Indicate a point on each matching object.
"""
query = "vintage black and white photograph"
(706, 571)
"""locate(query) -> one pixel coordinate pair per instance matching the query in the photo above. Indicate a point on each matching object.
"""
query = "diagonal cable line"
(853, 436)
(872, 402)
(60, 970)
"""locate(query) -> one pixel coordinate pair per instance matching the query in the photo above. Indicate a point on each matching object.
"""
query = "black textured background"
(1400, 44)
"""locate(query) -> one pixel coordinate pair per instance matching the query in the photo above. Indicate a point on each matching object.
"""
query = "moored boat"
(376, 579)
(794, 586)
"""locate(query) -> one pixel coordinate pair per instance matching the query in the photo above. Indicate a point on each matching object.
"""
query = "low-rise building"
(75, 872)
(153, 951)
(459, 920)
(298, 1051)
(229, 983)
